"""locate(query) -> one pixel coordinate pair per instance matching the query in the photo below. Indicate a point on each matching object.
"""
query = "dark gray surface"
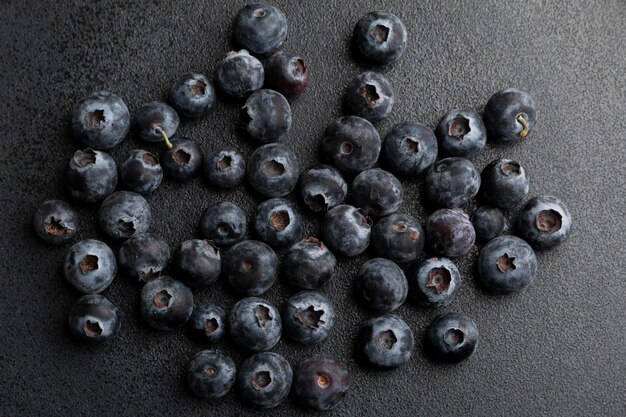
(555, 350)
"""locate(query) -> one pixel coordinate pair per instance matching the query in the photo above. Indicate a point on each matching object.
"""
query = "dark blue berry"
(225, 167)
(378, 192)
(260, 28)
(488, 222)
(264, 380)
(192, 95)
(240, 74)
(371, 96)
(90, 266)
(144, 256)
(504, 183)
(55, 222)
(267, 116)
(287, 73)
(94, 319)
(155, 121)
(322, 187)
(451, 337)
(273, 170)
(409, 149)
(91, 175)
(321, 382)
(141, 172)
(510, 115)
(250, 267)
(385, 342)
(379, 37)
(434, 283)
(254, 324)
(210, 374)
(461, 133)
(207, 323)
(452, 182)
(223, 223)
(166, 304)
(450, 233)
(183, 160)
(308, 317)
(197, 262)
(352, 144)
(124, 214)
(277, 222)
(506, 265)
(308, 264)
(101, 120)
(381, 285)
(398, 237)
(544, 222)
(346, 230)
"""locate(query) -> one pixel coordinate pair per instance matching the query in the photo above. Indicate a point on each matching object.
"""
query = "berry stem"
(166, 139)
(524, 124)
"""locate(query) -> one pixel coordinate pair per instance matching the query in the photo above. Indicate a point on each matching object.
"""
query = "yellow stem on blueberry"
(166, 139)
(524, 123)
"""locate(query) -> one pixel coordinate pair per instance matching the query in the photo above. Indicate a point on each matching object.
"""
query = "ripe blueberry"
(504, 183)
(90, 266)
(451, 337)
(371, 96)
(346, 230)
(308, 317)
(461, 133)
(55, 222)
(264, 380)
(210, 374)
(141, 172)
(225, 168)
(94, 319)
(409, 149)
(398, 237)
(381, 285)
(267, 116)
(192, 95)
(156, 122)
(452, 182)
(287, 73)
(260, 28)
(506, 265)
(250, 267)
(91, 175)
(254, 324)
(124, 214)
(322, 187)
(488, 222)
(277, 222)
(379, 37)
(273, 170)
(544, 222)
(385, 342)
(166, 304)
(308, 264)
(352, 144)
(240, 74)
(378, 192)
(510, 115)
(450, 233)
(435, 282)
(183, 160)
(321, 382)
(197, 262)
(207, 323)
(144, 256)
(101, 120)
(223, 223)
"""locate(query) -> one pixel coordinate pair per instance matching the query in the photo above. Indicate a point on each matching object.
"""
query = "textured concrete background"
(555, 350)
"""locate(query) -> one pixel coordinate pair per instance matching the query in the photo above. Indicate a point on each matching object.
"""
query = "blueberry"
(287, 73)
(166, 304)
(308, 317)
(225, 167)
(183, 160)
(409, 149)
(141, 172)
(379, 37)
(192, 95)
(260, 28)
(308, 264)
(381, 285)
(254, 324)
(346, 230)
(91, 175)
(504, 183)
(398, 237)
(156, 122)
(435, 282)
(451, 337)
(371, 96)
(452, 182)
(510, 115)
(321, 382)
(94, 319)
(378, 192)
(55, 222)
(240, 74)
(322, 187)
(450, 233)
(488, 222)
(352, 144)
(207, 323)
(277, 222)
(90, 266)
(197, 262)
(210, 374)
(273, 170)
(385, 342)
(267, 116)
(506, 265)
(544, 222)
(144, 256)
(461, 133)
(101, 120)
(264, 380)
(250, 267)
(223, 223)
(124, 214)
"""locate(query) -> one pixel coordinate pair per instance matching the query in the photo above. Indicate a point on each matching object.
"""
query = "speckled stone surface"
(555, 350)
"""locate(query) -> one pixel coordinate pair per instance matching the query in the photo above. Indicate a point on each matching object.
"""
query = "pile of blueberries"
(352, 147)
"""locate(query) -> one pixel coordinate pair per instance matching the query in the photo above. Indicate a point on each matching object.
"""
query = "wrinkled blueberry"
(55, 222)
(308, 317)
(321, 382)
(379, 37)
(409, 149)
(287, 73)
(346, 230)
(451, 337)
(94, 319)
(254, 324)
(207, 323)
(504, 183)
(192, 95)
(510, 115)
(398, 237)
(452, 182)
(385, 342)
(101, 120)
(183, 160)
(506, 265)
(240, 74)
(260, 28)
(434, 283)
(273, 170)
(370, 96)
(250, 267)
(156, 122)
(352, 144)
(544, 222)
(308, 264)
(210, 374)
(450, 233)
(267, 116)
(461, 133)
(91, 175)
(264, 380)
(124, 214)
(166, 304)
(141, 172)
(223, 223)
(197, 262)
(144, 256)
(90, 266)
(381, 285)
(488, 222)
(378, 192)
(277, 222)
(322, 187)
(225, 168)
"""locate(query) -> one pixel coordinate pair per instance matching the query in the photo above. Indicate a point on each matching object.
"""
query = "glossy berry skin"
(351, 144)
(450, 233)
(153, 118)
(197, 262)
(210, 374)
(207, 323)
(55, 222)
(225, 168)
(544, 222)
(380, 38)
(346, 230)
(321, 382)
(124, 214)
(183, 161)
(254, 324)
(506, 265)
(308, 317)
(506, 113)
(278, 222)
(93, 319)
(322, 187)
(488, 222)
(90, 266)
(434, 283)
(91, 175)
(398, 237)
(144, 256)
(192, 95)
(385, 342)
(101, 120)
(264, 380)
(451, 337)
(250, 267)
(240, 74)
(141, 172)
(287, 73)
(224, 224)
(461, 133)
(308, 264)
(504, 183)
(166, 304)
(273, 170)
(370, 96)
(260, 28)
(381, 285)
(267, 116)
(409, 149)
(452, 182)
(378, 192)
